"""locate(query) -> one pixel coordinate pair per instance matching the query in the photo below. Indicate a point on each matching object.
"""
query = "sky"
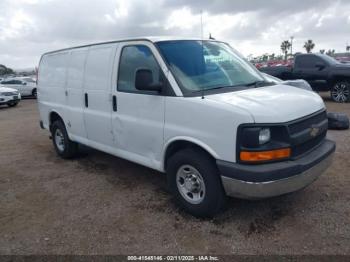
(29, 28)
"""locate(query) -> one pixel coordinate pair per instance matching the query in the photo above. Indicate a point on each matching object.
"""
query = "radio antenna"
(202, 24)
(202, 47)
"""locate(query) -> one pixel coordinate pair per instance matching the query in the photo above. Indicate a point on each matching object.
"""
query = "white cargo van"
(194, 109)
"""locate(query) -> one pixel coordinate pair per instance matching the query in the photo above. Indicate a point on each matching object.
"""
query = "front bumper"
(9, 99)
(268, 180)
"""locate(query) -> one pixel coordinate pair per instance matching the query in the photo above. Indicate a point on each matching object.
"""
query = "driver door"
(138, 115)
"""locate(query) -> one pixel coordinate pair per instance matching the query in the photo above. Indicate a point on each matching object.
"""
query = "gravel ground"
(100, 204)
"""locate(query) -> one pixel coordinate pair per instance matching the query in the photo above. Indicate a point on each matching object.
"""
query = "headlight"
(262, 143)
(264, 136)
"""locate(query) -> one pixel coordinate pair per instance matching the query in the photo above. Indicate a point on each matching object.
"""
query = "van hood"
(273, 104)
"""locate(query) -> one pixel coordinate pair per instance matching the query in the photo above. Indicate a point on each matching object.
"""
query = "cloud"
(29, 28)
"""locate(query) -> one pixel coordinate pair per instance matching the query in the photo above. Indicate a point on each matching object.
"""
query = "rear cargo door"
(97, 94)
(75, 94)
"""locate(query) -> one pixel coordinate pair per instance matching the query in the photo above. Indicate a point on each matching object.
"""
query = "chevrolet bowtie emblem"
(314, 131)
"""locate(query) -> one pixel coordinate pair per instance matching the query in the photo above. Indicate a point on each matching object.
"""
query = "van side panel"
(75, 95)
(52, 85)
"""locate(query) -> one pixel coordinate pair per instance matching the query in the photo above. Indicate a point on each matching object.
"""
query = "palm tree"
(285, 46)
(322, 51)
(330, 52)
(309, 45)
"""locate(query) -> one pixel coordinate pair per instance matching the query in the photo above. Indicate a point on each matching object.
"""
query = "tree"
(279, 57)
(285, 46)
(330, 52)
(347, 48)
(309, 45)
(322, 51)
(5, 70)
(265, 57)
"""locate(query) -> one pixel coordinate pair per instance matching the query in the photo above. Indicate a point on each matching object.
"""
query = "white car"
(26, 86)
(193, 109)
(300, 83)
(9, 96)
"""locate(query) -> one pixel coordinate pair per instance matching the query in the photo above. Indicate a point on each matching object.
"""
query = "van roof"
(152, 39)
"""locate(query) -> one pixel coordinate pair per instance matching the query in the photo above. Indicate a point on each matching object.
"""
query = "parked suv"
(193, 109)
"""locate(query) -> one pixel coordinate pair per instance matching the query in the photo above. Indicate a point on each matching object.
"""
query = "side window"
(12, 82)
(308, 62)
(133, 58)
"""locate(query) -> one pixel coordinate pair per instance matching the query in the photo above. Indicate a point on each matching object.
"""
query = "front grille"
(9, 93)
(307, 122)
(299, 150)
(302, 140)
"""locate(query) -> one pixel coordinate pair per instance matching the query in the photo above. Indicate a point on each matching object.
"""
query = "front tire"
(195, 182)
(64, 147)
(12, 104)
(340, 92)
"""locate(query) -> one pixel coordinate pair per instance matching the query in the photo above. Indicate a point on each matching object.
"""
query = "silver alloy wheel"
(59, 140)
(190, 184)
(340, 92)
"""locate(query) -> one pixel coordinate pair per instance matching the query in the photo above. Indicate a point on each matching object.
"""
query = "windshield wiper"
(257, 84)
(209, 89)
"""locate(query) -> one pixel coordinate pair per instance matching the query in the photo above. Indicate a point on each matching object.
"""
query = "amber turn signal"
(257, 156)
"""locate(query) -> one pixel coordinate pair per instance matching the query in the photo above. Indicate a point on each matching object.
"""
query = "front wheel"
(64, 147)
(195, 182)
(12, 104)
(340, 92)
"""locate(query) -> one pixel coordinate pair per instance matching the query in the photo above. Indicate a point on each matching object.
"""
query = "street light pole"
(291, 45)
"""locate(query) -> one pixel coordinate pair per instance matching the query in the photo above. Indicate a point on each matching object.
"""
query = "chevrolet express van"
(193, 109)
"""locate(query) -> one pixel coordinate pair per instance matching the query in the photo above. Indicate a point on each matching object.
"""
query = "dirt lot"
(100, 204)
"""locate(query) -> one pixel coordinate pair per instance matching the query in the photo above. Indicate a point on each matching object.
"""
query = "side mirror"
(320, 65)
(144, 81)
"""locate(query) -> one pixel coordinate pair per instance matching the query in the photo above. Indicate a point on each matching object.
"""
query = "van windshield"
(200, 66)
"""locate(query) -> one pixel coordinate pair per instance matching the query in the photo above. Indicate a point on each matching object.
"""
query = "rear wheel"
(195, 182)
(34, 93)
(12, 104)
(64, 147)
(340, 92)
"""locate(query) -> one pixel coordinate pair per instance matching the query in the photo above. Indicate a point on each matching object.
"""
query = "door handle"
(114, 101)
(86, 100)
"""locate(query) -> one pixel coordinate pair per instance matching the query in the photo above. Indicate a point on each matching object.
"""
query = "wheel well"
(180, 145)
(336, 79)
(54, 117)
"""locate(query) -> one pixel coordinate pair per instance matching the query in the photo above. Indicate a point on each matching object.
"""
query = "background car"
(322, 72)
(9, 96)
(300, 83)
(26, 85)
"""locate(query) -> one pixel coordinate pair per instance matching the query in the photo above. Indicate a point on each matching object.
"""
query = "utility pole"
(291, 45)
(202, 24)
